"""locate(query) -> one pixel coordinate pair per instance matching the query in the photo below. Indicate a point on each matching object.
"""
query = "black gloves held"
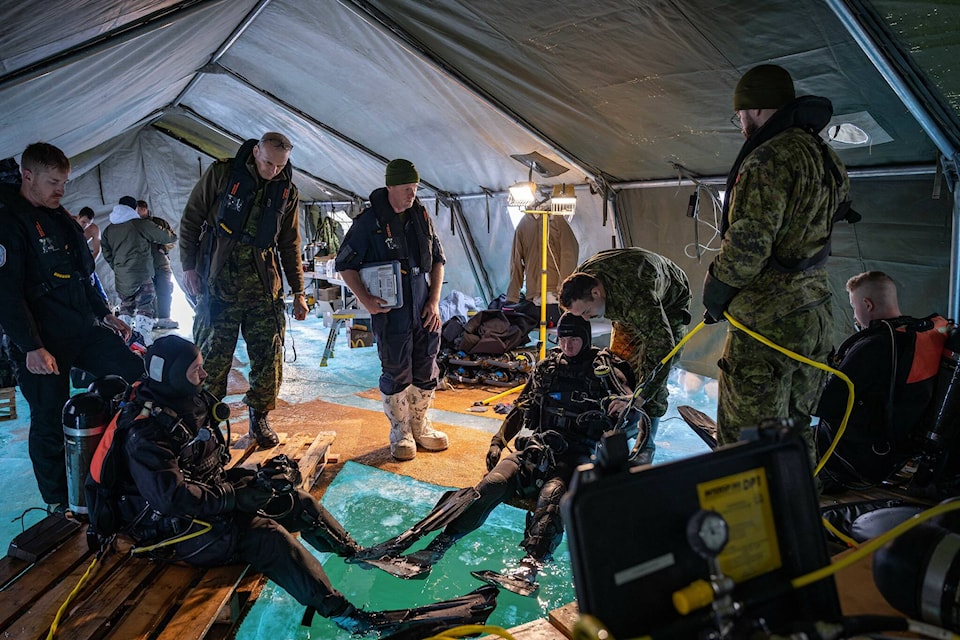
(493, 454)
(716, 296)
(251, 496)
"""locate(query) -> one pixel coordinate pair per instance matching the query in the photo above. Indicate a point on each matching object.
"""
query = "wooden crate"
(8, 403)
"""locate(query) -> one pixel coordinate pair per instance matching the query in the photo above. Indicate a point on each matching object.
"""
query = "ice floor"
(351, 371)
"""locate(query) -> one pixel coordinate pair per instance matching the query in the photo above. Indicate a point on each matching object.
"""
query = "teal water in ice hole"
(375, 505)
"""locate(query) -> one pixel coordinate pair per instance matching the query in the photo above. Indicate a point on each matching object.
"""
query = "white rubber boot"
(145, 326)
(397, 409)
(423, 432)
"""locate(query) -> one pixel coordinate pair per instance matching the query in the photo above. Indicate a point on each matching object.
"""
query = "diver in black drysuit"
(164, 479)
(563, 405)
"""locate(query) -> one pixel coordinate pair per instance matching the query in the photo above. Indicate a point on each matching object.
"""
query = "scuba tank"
(942, 416)
(85, 418)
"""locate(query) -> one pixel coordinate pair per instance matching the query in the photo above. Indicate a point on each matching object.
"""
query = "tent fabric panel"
(516, 54)
(369, 88)
(87, 101)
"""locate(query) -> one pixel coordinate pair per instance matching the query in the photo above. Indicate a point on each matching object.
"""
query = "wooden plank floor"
(126, 596)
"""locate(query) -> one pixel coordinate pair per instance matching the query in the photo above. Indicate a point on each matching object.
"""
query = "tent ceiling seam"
(104, 41)
(378, 19)
(190, 113)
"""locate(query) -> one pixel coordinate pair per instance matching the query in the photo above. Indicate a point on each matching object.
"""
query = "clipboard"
(382, 279)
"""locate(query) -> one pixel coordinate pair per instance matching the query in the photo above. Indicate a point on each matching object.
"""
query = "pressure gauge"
(707, 533)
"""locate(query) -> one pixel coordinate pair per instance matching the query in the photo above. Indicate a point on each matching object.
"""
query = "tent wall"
(906, 232)
(154, 167)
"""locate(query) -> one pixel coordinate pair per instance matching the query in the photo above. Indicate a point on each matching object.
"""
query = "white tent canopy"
(633, 97)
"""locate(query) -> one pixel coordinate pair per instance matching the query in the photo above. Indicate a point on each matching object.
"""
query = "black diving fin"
(422, 622)
(400, 566)
(702, 424)
(519, 584)
(451, 504)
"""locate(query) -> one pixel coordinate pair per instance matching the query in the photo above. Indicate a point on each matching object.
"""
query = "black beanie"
(166, 363)
(401, 171)
(574, 326)
(129, 201)
(766, 86)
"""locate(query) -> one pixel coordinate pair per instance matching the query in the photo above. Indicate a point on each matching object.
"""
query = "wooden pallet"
(8, 403)
(127, 596)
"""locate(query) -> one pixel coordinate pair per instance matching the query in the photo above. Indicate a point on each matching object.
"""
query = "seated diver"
(564, 404)
(893, 363)
(158, 477)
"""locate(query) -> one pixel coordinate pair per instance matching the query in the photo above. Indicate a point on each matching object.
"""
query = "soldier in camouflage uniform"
(242, 214)
(783, 194)
(647, 298)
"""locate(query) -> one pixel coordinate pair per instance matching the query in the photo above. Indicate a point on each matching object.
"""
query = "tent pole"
(902, 79)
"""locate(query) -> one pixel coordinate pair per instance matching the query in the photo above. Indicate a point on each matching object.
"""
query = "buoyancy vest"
(108, 467)
(241, 194)
(395, 241)
(571, 391)
(59, 266)
(929, 335)
(885, 422)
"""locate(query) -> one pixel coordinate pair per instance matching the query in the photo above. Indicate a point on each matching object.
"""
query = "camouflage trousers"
(139, 302)
(261, 322)
(644, 348)
(757, 382)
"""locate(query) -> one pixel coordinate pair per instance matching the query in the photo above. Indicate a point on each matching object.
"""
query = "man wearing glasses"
(241, 216)
(784, 192)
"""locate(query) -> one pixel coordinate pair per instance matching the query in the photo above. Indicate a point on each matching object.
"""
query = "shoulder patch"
(3, 255)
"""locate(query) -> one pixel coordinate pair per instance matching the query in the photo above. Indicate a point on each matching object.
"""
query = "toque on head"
(129, 201)
(574, 326)
(401, 171)
(766, 86)
(166, 363)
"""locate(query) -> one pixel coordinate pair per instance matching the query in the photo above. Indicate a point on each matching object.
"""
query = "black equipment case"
(628, 540)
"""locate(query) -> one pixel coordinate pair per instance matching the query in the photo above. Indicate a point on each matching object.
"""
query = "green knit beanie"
(401, 171)
(764, 87)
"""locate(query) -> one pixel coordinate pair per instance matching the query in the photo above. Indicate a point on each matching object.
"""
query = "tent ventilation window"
(847, 133)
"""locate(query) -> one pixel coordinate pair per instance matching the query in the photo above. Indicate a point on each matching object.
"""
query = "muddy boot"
(397, 409)
(260, 430)
(423, 432)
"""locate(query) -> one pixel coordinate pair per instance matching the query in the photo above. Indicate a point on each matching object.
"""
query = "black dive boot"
(260, 430)
(645, 454)
(431, 554)
(418, 622)
(328, 536)
(418, 563)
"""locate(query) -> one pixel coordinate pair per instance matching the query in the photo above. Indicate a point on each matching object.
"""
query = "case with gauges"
(743, 520)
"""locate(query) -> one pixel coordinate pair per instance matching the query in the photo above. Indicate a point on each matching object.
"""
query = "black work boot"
(260, 430)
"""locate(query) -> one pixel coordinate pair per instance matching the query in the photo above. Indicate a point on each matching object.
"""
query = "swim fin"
(400, 566)
(451, 504)
(521, 579)
(422, 622)
(702, 424)
(517, 584)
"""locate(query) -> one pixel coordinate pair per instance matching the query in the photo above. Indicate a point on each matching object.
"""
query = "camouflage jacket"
(637, 281)
(781, 206)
